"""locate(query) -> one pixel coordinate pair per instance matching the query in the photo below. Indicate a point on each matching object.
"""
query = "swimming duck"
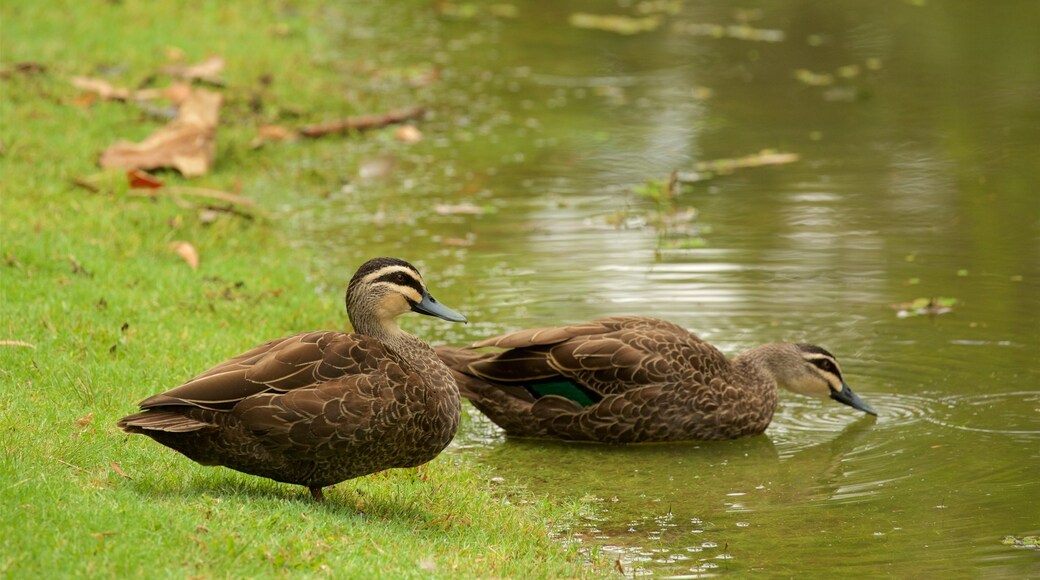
(632, 379)
(318, 408)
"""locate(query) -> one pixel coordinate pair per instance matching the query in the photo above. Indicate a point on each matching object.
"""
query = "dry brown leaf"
(408, 134)
(207, 71)
(85, 100)
(118, 469)
(187, 144)
(85, 420)
(267, 133)
(173, 53)
(143, 180)
(103, 89)
(187, 252)
(176, 93)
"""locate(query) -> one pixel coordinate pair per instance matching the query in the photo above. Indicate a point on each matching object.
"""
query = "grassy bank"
(98, 311)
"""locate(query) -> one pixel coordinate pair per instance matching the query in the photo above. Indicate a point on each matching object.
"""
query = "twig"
(17, 343)
(80, 182)
(175, 192)
(213, 193)
(72, 465)
(230, 209)
(363, 123)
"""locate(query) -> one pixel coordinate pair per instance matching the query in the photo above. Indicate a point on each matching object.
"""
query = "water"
(918, 178)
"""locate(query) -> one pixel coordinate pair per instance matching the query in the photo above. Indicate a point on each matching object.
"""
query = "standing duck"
(318, 408)
(632, 379)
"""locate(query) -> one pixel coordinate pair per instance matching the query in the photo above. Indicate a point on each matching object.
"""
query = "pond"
(535, 198)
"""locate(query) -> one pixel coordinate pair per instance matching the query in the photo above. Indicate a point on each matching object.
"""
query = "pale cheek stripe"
(389, 270)
(409, 292)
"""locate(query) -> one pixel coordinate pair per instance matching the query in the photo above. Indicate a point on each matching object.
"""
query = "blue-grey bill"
(430, 306)
(845, 395)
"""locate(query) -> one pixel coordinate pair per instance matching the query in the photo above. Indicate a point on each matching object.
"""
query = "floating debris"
(705, 170)
(925, 307)
(620, 24)
(1025, 542)
(737, 31)
(808, 77)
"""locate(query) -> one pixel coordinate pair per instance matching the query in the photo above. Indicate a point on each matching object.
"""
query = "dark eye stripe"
(399, 278)
(826, 365)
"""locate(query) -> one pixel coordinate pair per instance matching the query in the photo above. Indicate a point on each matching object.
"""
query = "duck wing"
(296, 362)
(603, 357)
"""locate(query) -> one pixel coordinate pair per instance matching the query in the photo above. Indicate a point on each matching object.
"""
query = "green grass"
(113, 315)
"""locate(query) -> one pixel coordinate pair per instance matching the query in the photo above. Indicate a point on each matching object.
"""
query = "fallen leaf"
(102, 535)
(85, 100)
(207, 71)
(85, 420)
(270, 133)
(408, 134)
(187, 144)
(174, 53)
(119, 470)
(143, 180)
(188, 252)
(104, 89)
(176, 93)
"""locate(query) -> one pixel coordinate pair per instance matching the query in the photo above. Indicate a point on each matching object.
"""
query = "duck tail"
(168, 421)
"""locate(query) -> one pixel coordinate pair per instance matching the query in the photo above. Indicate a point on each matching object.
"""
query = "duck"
(318, 408)
(633, 379)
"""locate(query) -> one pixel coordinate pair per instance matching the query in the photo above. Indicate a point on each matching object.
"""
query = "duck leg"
(316, 494)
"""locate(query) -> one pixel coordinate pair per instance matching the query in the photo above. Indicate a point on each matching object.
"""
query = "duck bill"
(431, 307)
(846, 396)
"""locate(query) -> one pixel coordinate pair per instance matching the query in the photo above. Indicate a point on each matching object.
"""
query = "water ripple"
(1015, 413)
